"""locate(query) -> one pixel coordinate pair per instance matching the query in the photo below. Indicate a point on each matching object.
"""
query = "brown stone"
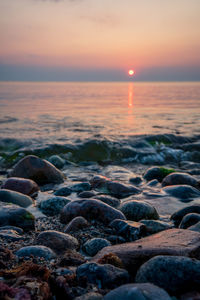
(175, 242)
(21, 185)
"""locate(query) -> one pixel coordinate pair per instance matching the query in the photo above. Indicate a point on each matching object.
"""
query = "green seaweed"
(166, 171)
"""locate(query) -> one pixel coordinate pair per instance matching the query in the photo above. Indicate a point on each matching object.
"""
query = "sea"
(145, 122)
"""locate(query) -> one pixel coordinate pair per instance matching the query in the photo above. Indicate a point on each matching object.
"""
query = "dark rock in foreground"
(178, 216)
(138, 210)
(15, 198)
(105, 276)
(91, 247)
(137, 291)
(155, 226)
(175, 242)
(173, 273)
(182, 191)
(53, 206)
(180, 178)
(36, 251)
(76, 224)
(16, 216)
(158, 173)
(130, 230)
(21, 185)
(37, 169)
(90, 209)
(189, 220)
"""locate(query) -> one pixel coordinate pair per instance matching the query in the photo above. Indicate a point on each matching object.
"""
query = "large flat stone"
(176, 242)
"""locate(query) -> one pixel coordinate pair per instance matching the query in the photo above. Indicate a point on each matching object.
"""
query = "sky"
(99, 40)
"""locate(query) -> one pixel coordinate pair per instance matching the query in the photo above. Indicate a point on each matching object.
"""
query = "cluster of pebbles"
(103, 234)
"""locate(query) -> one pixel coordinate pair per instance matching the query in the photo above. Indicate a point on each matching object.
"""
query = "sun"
(131, 72)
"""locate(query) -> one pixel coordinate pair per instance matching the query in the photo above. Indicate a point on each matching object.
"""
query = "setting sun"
(131, 72)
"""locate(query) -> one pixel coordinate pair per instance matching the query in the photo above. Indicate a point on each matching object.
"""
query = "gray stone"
(195, 227)
(105, 276)
(80, 187)
(175, 274)
(135, 180)
(114, 202)
(137, 291)
(17, 229)
(178, 216)
(153, 226)
(15, 198)
(37, 169)
(90, 209)
(138, 210)
(36, 251)
(21, 185)
(16, 216)
(53, 206)
(130, 230)
(180, 178)
(153, 182)
(10, 235)
(91, 247)
(189, 220)
(59, 242)
(157, 173)
(64, 191)
(175, 242)
(182, 191)
(76, 224)
(57, 161)
(87, 194)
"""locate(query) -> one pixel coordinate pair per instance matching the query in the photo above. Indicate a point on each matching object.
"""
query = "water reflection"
(130, 95)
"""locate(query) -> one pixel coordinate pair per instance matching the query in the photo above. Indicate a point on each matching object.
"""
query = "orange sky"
(118, 34)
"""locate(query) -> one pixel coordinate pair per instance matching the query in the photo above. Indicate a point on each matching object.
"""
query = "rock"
(114, 202)
(105, 276)
(37, 169)
(182, 191)
(36, 251)
(21, 185)
(158, 173)
(135, 180)
(153, 226)
(80, 187)
(195, 227)
(91, 247)
(71, 258)
(138, 210)
(64, 191)
(115, 239)
(90, 209)
(174, 242)
(190, 296)
(17, 229)
(189, 220)
(53, 206)
(76, 224)
(137, 291)
(178, 216)
(57, 161)
(153, 182)
(130, 230)
(175, 274)
(15, 198)
(114, 188)
(10, 235)
(16, 216)
(180, 178)
(63, 271)
(90, 296)
(86, 194)
(59, 242)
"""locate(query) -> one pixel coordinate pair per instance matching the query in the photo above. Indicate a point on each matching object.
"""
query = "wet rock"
(16, 216)
(158, 173)
(135, 180)
(71, 258)
(59, 242)
(138, 210)
(153, 226)
(86, 194)
(137, 291)
(37, 169)
(57, 161)
(80, 187)
(173, 273)
(130, 230)
(178, 216)
(53, 206)
(90, 296)
(15, 198)
(195, 227)
(181, 242)
(36, 251)
(105, 276)
(114, 188)
(90, 209)
(182, 191)
(180, 178)
(189, 220)
(76, 224)
(153, 182)
(10, 235)
(114, 202)
(64, 191)
(91, 247)
(17, 229)
(115, 239)
(21, 185)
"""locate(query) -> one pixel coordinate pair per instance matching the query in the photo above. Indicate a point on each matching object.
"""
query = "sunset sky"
(99, 39)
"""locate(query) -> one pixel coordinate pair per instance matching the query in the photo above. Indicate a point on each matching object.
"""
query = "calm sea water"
(68, 112)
